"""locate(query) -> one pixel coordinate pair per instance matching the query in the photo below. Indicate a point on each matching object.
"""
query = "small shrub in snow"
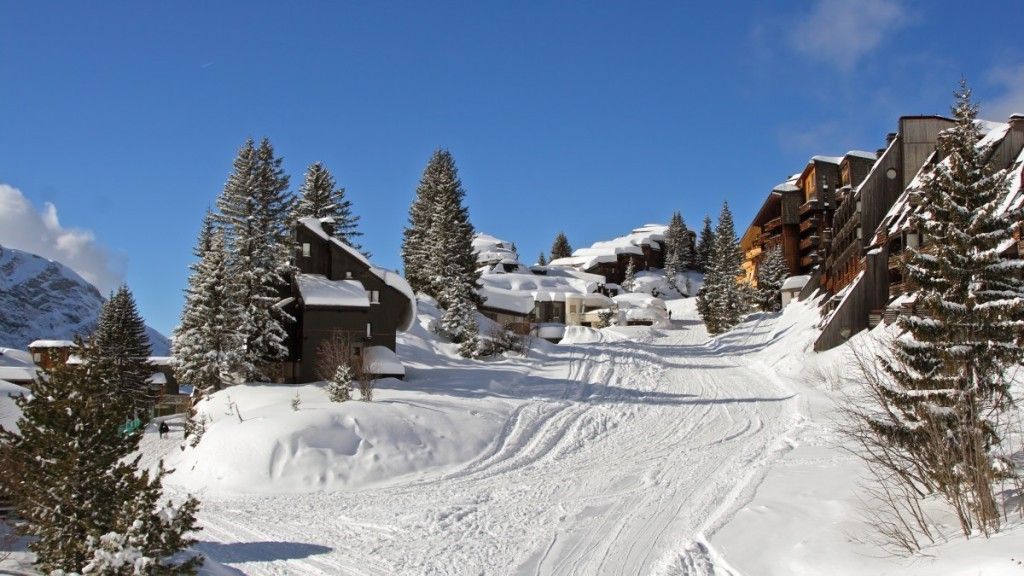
(296, 401)
(339, 388)
(604, 318)
(366, 385)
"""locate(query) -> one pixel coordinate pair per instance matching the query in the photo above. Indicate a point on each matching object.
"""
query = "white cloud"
(22, 227)
(1009, 81)
(841, 32)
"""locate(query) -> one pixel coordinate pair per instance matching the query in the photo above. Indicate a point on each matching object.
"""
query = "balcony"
(810, 224)
(810, 260)
(809, 242)
(811, 205)
(772, 224)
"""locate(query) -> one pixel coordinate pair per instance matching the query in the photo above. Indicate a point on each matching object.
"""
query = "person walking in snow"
(164, 428)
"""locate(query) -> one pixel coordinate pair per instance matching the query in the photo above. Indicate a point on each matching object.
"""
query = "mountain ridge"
(42, 298)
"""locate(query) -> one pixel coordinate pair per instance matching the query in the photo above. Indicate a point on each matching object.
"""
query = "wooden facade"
(865, 300)
(373, 325)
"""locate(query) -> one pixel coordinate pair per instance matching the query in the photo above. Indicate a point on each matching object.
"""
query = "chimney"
(1017, 122)
(889, 138)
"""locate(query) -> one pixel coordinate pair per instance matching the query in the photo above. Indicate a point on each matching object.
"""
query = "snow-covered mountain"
(44, 299)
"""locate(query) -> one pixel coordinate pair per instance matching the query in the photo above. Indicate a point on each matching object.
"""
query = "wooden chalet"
(337, 290)
(864, 271)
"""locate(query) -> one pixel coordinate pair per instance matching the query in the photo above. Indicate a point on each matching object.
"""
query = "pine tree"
(705, 246)
(320, 197)
(452, 260)
(951, 373)
(458, 323)
(121, 343)
(771, 274)
(416, 247)
(339, 388)
(560, 248)
(629, 282)
(254, 212)
(541, 260)
(71, 469)
(724, 301)
(676, 247)
(208, 346)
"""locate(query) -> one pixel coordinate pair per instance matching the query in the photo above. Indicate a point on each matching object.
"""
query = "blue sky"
(589, 118)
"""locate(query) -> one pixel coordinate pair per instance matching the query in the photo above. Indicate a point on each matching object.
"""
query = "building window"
(369, 333)
(305, 249)
(348, 274)
(357, 350)
(374, 296)
(37, 357)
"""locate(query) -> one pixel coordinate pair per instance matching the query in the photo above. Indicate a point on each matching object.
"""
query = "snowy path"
(649, 446)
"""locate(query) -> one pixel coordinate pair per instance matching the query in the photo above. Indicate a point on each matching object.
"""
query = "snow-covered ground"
(628, 450)
(610, 454)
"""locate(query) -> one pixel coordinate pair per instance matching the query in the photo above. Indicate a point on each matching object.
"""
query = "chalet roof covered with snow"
(608, 251)
(51, 344)
(317, 291)
(795, 282)
(388, 277)
(16, 365)
(490, 249)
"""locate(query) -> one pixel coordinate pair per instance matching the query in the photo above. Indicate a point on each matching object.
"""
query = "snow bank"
(256, 444)
(381, 361)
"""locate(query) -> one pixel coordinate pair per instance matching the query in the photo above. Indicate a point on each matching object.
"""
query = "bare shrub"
(948, 463)
(337, 350)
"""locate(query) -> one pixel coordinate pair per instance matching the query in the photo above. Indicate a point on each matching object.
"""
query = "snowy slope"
(44, 299)
(628, 450)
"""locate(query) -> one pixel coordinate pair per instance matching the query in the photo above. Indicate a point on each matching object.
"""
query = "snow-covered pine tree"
(724, 301)
(452, 260)
(560, 248)
(321, 197)
(705, 246)
(951, 372)
(458, 323)
(771, 274)
(629, 282)
(208, 346)
(71, 468)
(339, 388)
(254, 212)
(541, 260)
(121, 344)
(148, 536)
(416, 247)
(676, 247)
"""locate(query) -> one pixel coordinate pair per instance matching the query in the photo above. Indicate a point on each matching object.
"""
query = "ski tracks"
(649, 446)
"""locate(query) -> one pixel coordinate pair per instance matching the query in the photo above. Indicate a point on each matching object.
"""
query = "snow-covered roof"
(160, 360)
(12, 389)
(17, 373)
(388, 277)
(16, 365)
(827, 159)
(795, 282)
(158, 378)
(506, 299)
(490, 249)
(631, 300)
(51, 344)
(609, 250)
(862, 154)
(380, 360)
(315, 225)
(13, 356)
(317, 290)
(396, 281)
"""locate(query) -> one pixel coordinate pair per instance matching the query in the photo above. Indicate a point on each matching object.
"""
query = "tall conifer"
(121, 343)
(321, 197)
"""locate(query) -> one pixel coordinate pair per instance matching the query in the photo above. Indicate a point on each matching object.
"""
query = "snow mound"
(255, 443)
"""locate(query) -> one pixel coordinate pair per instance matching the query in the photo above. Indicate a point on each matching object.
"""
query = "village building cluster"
(843, 222)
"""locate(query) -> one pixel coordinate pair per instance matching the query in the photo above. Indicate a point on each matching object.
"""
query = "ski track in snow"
(653, 444)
